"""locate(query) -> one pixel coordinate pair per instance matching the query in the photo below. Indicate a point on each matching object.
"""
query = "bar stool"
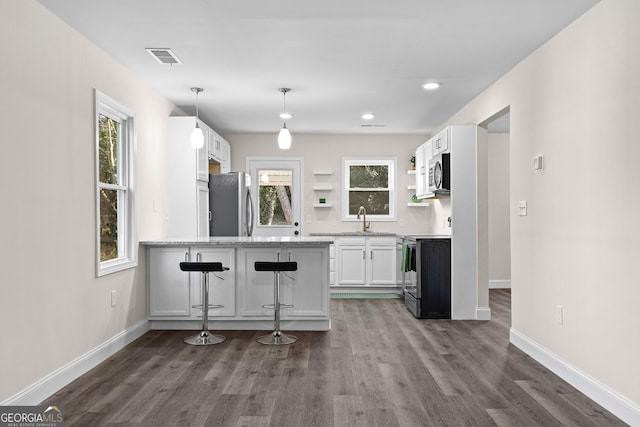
(204, 337)
(276, 337)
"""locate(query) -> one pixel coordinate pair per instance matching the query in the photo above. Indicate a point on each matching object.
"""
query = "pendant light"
(284, 137)
(197, 136)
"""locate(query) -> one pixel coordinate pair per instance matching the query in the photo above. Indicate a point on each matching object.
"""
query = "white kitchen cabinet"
(169, 294)
(423, 155)
(173, 292)
(225, 156)
(307, 288)
(366, 261)
(222, 288)
(202, 209)
(351, 265)
(188, 175)
(440, 142)
(381, 265)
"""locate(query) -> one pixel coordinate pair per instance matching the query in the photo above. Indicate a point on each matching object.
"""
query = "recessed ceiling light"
(368, 116)
(431, 85)
(285, 115)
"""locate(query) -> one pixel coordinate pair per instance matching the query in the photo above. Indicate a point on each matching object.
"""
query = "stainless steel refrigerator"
(230, 205)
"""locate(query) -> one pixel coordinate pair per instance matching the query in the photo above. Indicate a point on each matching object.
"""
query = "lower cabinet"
(172, 292)
(307, 288)
(366, 261)
(241, 290)
(169, 293)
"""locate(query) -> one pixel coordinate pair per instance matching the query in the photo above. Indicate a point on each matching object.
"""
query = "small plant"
(413, 161)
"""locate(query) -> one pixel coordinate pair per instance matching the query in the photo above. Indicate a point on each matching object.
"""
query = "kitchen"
(55, 87)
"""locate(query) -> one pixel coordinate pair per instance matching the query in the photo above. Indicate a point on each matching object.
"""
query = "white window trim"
(127, 237)
(391, 163)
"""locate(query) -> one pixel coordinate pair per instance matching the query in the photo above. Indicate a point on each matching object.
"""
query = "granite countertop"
(240, 241)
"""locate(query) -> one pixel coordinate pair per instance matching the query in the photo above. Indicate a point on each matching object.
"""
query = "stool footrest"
(272, 306)
(210, 307)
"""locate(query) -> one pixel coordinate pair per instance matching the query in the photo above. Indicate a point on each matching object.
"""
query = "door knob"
(296, 232)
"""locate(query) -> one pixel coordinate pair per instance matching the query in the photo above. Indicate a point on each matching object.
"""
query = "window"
(369, 183)
(115, 202)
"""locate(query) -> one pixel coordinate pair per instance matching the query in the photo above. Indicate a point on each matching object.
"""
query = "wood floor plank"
(378, 366)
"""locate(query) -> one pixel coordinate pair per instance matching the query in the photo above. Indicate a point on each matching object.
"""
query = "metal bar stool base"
(277, 338)
(205, 338)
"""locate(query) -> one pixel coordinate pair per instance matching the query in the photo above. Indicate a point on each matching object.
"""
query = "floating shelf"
(411, 187)
(323, 172)
(411, 204)
(411, 172)
(323, 205)
(322, 187)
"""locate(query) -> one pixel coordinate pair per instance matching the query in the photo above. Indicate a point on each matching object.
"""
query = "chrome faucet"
(363, 211)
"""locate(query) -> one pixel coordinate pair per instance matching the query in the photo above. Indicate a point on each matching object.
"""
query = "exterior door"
(276, 185)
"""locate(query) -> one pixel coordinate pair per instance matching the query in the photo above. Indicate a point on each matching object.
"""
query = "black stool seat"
(204, 267)
(276, 266)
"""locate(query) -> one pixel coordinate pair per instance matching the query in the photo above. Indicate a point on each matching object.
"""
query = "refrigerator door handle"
(249, 207)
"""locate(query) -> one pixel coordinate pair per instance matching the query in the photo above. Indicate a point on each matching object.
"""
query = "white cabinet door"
(202, 161)
(168, 286)
(350, 262)
(225, 156)
(257, 286)
(440, 142)
(202, 208)
(381, 263)
(422, 173)
(222, 287)
(309, 287)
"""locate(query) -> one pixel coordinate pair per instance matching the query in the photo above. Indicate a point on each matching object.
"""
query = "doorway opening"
(498, 199)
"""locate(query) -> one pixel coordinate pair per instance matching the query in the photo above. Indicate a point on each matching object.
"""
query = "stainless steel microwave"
(439, 175)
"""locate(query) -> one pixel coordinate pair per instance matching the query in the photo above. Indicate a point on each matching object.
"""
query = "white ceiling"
(341, 58)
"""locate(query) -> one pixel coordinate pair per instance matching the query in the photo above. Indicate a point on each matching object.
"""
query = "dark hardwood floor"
(378, 366)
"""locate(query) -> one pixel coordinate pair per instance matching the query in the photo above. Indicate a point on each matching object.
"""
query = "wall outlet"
(559, 314)
(113, 298)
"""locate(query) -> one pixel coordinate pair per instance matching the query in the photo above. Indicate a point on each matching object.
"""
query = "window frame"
(390, 162)
(127, 238)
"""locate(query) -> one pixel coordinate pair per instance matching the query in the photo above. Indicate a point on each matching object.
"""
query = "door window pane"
(275, 197)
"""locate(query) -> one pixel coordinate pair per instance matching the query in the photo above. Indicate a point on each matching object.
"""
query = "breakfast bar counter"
(241, 290)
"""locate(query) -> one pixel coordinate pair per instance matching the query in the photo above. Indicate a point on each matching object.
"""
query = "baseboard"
(45, 387)
(499, 284)
(620, 406)
(483, 313)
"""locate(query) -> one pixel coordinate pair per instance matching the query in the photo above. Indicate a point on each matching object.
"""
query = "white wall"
(499, 221)
(52, 307)
(576, 101)
(326, 152)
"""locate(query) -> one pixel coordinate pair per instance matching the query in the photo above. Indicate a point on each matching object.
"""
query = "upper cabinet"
(219, 151)
(440, 142)
(423, 155)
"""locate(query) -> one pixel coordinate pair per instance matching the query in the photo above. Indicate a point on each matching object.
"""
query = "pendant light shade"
(284, 137)
(197, 136)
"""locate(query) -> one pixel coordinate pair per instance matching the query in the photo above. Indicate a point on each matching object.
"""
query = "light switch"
(538, 162)
(522, 208)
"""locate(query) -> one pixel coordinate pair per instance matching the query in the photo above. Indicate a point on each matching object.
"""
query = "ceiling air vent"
(164, 56)
(372, 126)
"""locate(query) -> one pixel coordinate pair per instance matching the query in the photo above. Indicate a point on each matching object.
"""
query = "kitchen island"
(241, 290)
